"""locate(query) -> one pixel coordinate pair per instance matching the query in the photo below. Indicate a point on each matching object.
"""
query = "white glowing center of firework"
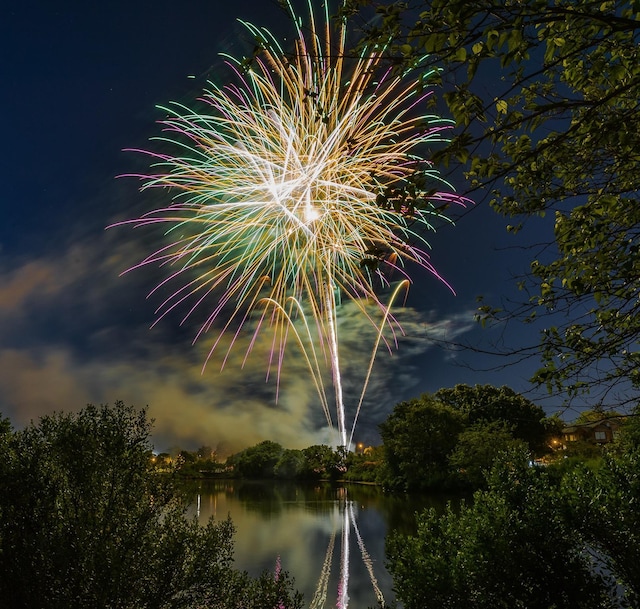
(295, 197)
(311, 214)
(302, 186)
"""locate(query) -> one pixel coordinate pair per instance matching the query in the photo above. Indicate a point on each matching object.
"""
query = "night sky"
(80, 83)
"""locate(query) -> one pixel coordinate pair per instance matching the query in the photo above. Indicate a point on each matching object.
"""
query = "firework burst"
(300, 185)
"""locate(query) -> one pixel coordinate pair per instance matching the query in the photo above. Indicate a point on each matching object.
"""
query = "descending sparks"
(300, 186)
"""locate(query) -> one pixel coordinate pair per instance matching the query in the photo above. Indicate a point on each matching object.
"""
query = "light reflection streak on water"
(343, 586)
(366, 559)
(348, 520)
(345, 518)
(320, 595)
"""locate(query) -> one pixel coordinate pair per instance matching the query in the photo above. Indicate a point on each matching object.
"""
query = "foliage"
(290, 465)
(418, 436)
(257, 461)
(510, 548)
(320, 461)
(486, 403)
(595, 414)
(553, 431)
(87, 522)
(362, 467)
(629, 435)
(191, 464)
(605, 509)
(558, 132)
(206, 452)
(366, 466)
(583, 451)
(5, 427)
(454, 435)
(270, 460)
(477, 448)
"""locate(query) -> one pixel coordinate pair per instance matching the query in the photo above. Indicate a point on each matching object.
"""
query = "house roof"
(609, 422)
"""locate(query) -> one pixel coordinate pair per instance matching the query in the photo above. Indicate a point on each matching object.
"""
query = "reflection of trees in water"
(275, 496)
(268, 498)
(400, 510)
(263, 498)
(343, 507)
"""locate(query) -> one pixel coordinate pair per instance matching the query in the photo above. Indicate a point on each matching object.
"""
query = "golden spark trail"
(302, 182)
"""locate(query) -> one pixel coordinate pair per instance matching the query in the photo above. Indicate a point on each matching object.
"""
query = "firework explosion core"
(300, 186)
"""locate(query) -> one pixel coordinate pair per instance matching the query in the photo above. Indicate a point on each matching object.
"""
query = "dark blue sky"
(79, 84)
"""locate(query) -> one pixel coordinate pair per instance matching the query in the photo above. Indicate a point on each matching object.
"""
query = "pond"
(329, 537)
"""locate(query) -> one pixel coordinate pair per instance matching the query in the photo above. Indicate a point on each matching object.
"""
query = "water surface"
(330, 538)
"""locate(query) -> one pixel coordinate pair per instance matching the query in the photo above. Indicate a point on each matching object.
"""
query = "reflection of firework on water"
(366, 559)
(347, 521)
(343, 585)
(298, 186)
(320, 596)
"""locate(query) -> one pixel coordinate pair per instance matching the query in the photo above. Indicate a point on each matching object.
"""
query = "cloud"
(33, 384)
(19, 285)
(74, 332)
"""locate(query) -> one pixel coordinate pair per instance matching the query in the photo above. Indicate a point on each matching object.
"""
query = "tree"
(206, 453)
(5, 427)
(186, 457)
(629, 436)
(581, 450)
(86, 522)
(258, 461)
(162, 461)
(595, 414)
(365, 466)
(418, 436)
(478, 447)
(486, 403)
(290, 465)
(319, 461)
(604, 510)
(559, 132)
(510, 548)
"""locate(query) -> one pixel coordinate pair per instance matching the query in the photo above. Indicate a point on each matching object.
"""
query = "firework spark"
(300, 185)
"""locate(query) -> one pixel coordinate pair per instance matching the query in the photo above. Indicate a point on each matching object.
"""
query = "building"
(602, 431)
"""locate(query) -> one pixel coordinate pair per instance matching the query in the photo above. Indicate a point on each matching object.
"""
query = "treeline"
(445, 440)
(270, 460)
(448, 440)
